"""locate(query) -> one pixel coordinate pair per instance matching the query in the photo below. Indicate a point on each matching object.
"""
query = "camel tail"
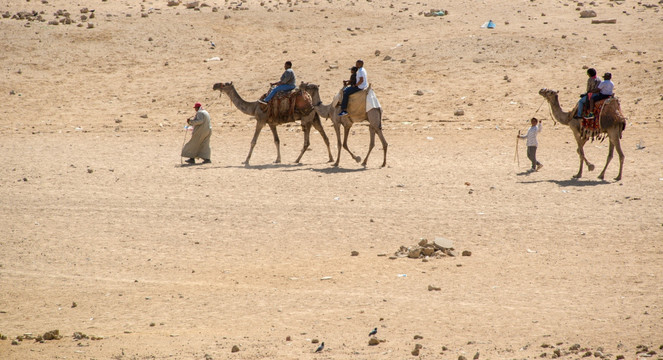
(620, 116)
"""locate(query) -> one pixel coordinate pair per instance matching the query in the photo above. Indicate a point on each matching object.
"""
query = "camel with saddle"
(362, 106)
(285, 107)
(608, 121)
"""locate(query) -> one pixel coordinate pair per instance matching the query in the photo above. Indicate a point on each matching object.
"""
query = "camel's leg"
(371, 144)
(581, 153)
(611, 148)
(317, 124)
(277, 142)
(259, 126)
(375, 119)
(618, 146)
(337, 129)
(306, 128)
(346, 132)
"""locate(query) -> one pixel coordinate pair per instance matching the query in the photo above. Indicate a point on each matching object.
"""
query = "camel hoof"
(618, 178)
(577, 176)
(335, 165)
(601, 177)
(590, 167)
(357, 158)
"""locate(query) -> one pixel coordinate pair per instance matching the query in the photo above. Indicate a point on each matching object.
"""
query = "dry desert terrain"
(105, 237)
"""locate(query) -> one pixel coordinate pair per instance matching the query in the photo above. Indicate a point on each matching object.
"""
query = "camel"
(262, 117)
(374, 117)
(612, 123)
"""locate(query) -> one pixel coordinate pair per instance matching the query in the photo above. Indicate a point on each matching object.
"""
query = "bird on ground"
(322, 346)
(373, 332)
(212, 43)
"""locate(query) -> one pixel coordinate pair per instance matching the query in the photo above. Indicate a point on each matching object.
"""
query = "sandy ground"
(170, 262)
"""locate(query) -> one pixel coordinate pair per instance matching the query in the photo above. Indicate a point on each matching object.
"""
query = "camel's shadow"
(340, 170)
(570, 182)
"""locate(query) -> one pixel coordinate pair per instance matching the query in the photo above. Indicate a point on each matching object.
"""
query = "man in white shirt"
(362, 83)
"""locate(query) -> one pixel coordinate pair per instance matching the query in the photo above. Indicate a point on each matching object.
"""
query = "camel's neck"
(560, 115)
(325, 111)
(249, 108)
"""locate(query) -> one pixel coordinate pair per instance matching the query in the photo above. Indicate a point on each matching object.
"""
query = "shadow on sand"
(570, 182)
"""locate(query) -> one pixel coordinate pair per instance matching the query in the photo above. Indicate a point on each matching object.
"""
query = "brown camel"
(374, 117)
(262, 117)
(612, 123)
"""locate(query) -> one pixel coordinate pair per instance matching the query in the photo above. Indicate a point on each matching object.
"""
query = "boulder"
(414, 253)
(587, 14)
(442, 243)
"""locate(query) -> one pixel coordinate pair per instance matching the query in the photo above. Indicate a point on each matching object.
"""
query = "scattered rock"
(432, 288)
(377, 52)
(90, 171)
(467, 253)
(52, 335)
(373, 341)
(288, 338)
(315, 341)
(588, 14)
(80, 336)
(417, 347)
(192, 5)
(386, 58)
(173, 3)
(419, 337)
(461, 357)
(14, 342)
(459, 112)
(414, 253)
(442, 243)
(609, 21)
(419, 93)
(144, 116)
(73, 304)
(90, 25)
(235, 348)
(354, 253)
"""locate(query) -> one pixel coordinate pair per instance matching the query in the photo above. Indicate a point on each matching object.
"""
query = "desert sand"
(106, 235)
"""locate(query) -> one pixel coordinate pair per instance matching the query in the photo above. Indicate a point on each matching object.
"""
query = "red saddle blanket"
(591, 127)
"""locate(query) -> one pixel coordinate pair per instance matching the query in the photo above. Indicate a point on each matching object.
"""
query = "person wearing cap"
(353, 78)
(198, 146)
(606, 88)
(362, 83)
(286, 83)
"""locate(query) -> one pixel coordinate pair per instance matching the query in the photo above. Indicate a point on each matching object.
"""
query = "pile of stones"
(438, 248)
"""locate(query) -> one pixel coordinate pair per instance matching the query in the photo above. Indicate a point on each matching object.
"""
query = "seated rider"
(592, 88)
(362, 83)
(606, 88)
(353, 78)
(286, 83)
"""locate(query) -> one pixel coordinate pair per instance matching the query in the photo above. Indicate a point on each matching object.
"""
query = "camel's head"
(222, 86)
(313, 90)
(548, 93)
